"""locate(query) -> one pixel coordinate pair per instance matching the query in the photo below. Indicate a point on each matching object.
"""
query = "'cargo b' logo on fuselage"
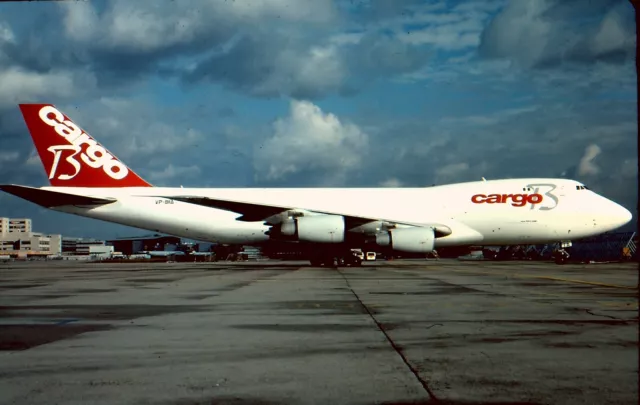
(516, 200)
(95, 155)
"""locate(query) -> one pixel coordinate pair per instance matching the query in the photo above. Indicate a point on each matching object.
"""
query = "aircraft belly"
(518, 231)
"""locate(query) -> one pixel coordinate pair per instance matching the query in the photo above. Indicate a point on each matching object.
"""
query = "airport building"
(86, 247)
(20, 225)
(18, 239)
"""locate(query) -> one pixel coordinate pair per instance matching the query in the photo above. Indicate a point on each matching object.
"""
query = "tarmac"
(396, 332)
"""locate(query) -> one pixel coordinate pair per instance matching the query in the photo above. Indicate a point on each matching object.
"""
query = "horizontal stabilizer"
(52, 199)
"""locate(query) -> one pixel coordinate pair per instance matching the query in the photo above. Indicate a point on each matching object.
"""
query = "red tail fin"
(71, 157)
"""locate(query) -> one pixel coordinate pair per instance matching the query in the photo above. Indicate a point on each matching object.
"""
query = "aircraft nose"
(621, 215)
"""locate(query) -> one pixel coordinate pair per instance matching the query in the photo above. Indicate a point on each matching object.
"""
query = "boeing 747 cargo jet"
(88, 180)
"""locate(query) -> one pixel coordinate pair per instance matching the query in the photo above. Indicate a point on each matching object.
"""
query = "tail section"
(71, 157)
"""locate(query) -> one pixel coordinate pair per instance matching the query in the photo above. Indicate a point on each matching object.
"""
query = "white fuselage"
(567, 212)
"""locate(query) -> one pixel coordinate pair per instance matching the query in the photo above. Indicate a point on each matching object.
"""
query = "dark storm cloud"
(377, 55)
(548, 33)
(43, 53)
(123, 41)
(380, 9)
(280, 50)
(278, 65)
(197, 41)
(260, 65)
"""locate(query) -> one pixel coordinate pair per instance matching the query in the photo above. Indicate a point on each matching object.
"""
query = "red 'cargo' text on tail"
(87, 164)
(96, 156)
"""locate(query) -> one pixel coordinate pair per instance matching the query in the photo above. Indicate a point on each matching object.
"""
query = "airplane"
(88, 180)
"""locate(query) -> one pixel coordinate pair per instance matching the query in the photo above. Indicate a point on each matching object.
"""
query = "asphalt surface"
(394, 332)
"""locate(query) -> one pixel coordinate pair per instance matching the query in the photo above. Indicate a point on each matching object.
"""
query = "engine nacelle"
(411, 240)
(317, 228)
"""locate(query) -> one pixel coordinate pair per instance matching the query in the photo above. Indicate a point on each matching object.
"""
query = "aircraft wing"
(261, 212)
(52, 199)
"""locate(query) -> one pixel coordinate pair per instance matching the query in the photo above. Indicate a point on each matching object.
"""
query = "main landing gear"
(336, 259)
(561, 255)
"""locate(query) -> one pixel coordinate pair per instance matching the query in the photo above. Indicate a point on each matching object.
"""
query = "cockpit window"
(580, 187)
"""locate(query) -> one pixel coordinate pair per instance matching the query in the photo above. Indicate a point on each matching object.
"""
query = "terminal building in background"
(17, 239)
(87, 248)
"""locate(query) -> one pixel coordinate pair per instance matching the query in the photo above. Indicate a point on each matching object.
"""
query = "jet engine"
(411, 240)
(316, 228)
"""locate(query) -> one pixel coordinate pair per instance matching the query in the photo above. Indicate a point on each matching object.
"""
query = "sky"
(325, 93)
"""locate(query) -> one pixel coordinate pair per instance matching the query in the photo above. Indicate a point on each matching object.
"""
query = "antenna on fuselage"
(483, 179)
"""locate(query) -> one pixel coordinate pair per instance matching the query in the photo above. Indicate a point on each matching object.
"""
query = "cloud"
(300, 49)
(629, 168)
(450, 32)
(33, 161)
(172, 172)
(6, 34)
(263, 48)
(19, 85)
(387, 12)
(133, 127)
(376, 56)
(153, 27)
(281, 66)
(547, 33)
(8, 156)
(310, 139)
(391, 182)
(615, 35)
(451, 172)
(587, 166)
(535, 140)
